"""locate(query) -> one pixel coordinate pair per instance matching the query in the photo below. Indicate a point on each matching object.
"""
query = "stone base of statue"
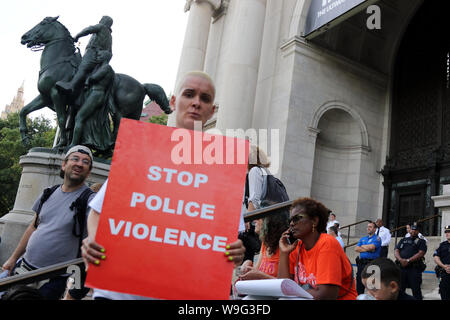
(40, 169)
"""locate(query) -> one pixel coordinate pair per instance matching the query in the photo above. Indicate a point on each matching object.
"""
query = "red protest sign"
(169, 212)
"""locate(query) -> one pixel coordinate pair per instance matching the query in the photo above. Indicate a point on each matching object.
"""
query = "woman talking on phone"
(315, 260)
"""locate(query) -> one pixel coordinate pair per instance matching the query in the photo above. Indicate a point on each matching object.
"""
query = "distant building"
(151, 108)
(16, 105)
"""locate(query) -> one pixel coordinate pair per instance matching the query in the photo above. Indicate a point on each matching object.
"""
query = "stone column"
(237, 94)
(443, 202)
(195, 39)
(40, 169)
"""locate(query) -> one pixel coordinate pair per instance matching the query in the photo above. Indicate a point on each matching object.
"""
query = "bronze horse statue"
(59, 62)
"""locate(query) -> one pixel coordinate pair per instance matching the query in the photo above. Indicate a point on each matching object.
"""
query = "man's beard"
(75, 181)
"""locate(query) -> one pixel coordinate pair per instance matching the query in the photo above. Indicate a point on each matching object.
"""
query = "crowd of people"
(302, 242)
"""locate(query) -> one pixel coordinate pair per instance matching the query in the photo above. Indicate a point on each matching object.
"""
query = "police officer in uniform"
(369, 248)
(442, 259)
(409, 253)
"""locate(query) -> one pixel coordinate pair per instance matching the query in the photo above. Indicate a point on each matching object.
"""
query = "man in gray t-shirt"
(50, 239)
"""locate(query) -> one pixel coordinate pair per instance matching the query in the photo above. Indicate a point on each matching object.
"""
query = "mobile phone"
(291, 238)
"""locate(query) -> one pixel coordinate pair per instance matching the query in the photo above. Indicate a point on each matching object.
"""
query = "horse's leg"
(59, 103)
(36, 104)
(116, 117)
(157, 94)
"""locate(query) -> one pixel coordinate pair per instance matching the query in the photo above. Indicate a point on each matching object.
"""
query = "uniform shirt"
(375, 240)
(443, 252)
(385, 235)
(409, 246)
(325, 263)
(407, 235)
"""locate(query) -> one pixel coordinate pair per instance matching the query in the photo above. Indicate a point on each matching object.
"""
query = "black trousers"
(361, 265)
(412, 278)
(384, 251)
(444, 287)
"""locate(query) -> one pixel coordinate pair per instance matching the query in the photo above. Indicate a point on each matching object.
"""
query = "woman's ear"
(315, 221)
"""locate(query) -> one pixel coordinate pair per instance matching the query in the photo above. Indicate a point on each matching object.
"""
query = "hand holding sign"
(166, 225)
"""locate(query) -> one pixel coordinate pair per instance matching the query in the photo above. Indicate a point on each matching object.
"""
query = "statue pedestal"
(40, 169)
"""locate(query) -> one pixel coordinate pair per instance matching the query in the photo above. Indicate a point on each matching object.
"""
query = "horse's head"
(47, 30)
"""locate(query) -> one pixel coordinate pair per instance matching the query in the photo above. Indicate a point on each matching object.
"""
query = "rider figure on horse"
(98, 51)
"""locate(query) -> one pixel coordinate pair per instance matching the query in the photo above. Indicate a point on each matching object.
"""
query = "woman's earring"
(314, 228)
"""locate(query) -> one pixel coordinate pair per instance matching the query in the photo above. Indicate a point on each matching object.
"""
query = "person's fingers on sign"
(235, 252)
(92, 252)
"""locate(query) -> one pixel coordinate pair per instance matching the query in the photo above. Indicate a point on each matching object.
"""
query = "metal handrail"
(261, 213)
(418, 221)
(39, 274)
(392, 232)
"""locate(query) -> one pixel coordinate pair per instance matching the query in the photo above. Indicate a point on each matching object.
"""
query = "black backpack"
(276, 191)
(78, 206)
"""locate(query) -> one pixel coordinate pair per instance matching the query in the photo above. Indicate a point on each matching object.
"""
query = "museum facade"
(357, 90)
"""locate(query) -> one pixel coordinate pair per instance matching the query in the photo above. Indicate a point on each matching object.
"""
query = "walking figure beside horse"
(123, 96)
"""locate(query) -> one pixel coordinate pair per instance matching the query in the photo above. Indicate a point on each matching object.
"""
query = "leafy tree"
(162, 119)
(11, 148)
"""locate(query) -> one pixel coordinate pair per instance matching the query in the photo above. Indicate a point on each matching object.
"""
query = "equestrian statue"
(89, 98)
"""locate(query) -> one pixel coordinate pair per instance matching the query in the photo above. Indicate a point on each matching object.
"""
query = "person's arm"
(366, 248)
(255, 274)
(251, 272)
(20, 249)
(438, 261)
(87, 31)
(255, 187)
(363, 247)
(91, 251)
(417, 256)
(325, 292)
(402, 261)
(386, 236)
(235, 252)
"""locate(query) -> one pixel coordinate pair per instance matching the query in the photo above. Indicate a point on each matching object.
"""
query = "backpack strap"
(45, 195)
(246, 192)
(79, 208)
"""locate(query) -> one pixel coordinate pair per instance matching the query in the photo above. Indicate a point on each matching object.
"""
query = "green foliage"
(11, 148)
(162, 119)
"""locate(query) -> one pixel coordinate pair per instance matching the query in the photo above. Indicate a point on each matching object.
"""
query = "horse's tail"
(157, 94)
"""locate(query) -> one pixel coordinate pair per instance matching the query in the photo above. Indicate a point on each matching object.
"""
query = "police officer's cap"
(447, 228)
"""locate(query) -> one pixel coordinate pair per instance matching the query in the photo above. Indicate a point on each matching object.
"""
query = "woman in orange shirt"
(269, 230)
(315, 260)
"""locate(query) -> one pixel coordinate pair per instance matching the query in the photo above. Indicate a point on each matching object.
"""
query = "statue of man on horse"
(98, 50)
(84, 112)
